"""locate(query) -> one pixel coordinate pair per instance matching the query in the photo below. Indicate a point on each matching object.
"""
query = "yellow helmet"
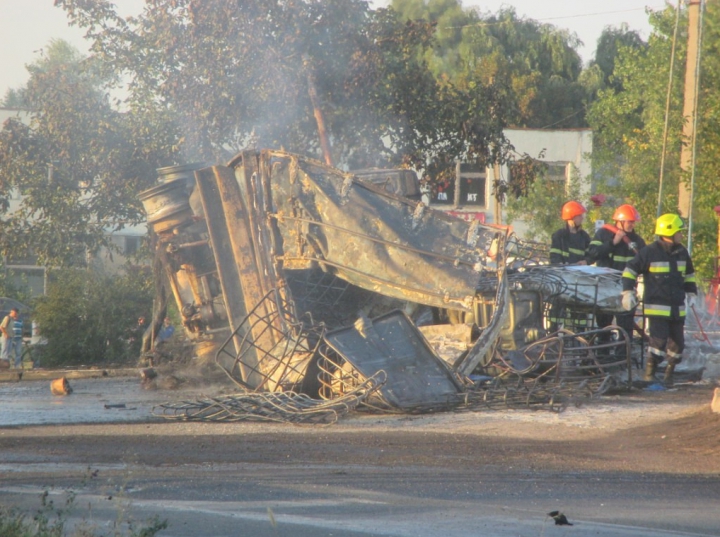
(668, 224)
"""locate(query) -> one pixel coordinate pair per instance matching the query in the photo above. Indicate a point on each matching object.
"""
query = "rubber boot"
(668, 377)
(650, 369)
(603, 353)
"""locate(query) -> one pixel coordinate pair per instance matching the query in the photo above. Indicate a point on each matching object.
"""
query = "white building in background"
(566, 152)
(27, 272)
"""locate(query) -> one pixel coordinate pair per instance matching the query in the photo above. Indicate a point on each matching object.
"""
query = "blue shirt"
(165, 333)
(17, 328)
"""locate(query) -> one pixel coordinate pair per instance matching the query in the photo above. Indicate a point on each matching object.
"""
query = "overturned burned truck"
(295, 276)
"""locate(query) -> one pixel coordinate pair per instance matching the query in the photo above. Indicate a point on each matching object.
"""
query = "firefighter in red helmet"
(569, 247)
(569, 244)
(612, 247)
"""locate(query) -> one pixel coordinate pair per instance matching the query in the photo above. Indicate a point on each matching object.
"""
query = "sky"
(26, 26)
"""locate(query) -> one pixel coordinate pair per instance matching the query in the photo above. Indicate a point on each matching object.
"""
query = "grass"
(52, 520)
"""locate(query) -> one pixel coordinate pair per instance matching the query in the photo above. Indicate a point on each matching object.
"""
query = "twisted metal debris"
(279, 407)
(304, 282)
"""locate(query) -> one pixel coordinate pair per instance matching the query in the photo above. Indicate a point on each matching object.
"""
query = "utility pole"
(685, 193)
(498, 201)
(319, 119)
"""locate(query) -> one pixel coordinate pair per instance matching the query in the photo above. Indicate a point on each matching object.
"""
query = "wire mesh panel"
(316, 290)
(270, 350)
(416, 378)
(287, 407)
(555, 370)
(524, 253)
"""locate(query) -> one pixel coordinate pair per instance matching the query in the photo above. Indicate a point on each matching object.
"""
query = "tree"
(537, 63)
(14, 98)
(205, 80)
(611, 41)
(629, 123)
(235, 74)
(78, 164)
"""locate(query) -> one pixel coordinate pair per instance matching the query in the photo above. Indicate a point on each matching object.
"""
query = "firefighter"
(569, 247)
(669, 279)
(613, 247)
(569, 244)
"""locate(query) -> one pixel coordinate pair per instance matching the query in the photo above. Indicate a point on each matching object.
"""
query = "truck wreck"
(294, 276)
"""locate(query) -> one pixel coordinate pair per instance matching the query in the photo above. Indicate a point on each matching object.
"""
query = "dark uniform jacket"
(604, 253)
(568, 248)
(668, 274)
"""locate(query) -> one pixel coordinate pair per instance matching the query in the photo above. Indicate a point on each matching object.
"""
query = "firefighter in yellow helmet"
(669, 280)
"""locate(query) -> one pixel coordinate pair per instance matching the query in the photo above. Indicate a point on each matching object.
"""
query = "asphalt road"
(327, 500)
(495, 474)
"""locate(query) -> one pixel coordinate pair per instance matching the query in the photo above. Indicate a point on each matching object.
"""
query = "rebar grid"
(316, 289)
(550, 373)
(337, 377)
(504, 393)
(560, 367)
(281, 407)
(275, 348)
(524, 253)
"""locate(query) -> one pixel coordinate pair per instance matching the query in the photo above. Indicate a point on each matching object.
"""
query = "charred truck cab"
(295, 276)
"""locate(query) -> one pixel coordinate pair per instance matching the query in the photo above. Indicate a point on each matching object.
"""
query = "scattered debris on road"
(60, 386)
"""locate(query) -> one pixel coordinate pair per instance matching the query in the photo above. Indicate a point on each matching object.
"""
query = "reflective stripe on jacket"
(668, 274)
(604, 253)
(568, 248)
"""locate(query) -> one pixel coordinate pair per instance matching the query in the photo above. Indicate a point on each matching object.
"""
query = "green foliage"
(537, 64)
(88, 317)
(13, 99)
(540, 201)
(611, 42)
(79, 164)
(237, 73)
(628, 121)
(51, 520)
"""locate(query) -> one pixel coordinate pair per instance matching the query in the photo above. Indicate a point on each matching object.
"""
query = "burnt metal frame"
(294, 337)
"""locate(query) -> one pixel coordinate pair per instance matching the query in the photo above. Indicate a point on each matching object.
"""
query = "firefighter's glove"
(691, 300)
(629, 300)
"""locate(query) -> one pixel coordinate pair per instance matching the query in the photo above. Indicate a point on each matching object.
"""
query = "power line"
(480, 24)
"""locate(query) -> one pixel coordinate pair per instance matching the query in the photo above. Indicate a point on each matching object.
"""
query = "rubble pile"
(299, 278)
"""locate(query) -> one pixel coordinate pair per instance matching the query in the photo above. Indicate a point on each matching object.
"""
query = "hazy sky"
(26, 26)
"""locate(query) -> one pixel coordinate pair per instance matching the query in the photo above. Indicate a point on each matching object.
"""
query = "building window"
(443, 193)
(132, 245)
(557, 171)
(524, 172)
(471, 181)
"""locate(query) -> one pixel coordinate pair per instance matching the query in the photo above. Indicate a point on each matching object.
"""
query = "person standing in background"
(12, 328)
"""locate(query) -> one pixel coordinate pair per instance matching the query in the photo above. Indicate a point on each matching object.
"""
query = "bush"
(88, 317)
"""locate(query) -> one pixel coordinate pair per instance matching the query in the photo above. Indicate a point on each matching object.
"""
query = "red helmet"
(572, 209)
(626, 213)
